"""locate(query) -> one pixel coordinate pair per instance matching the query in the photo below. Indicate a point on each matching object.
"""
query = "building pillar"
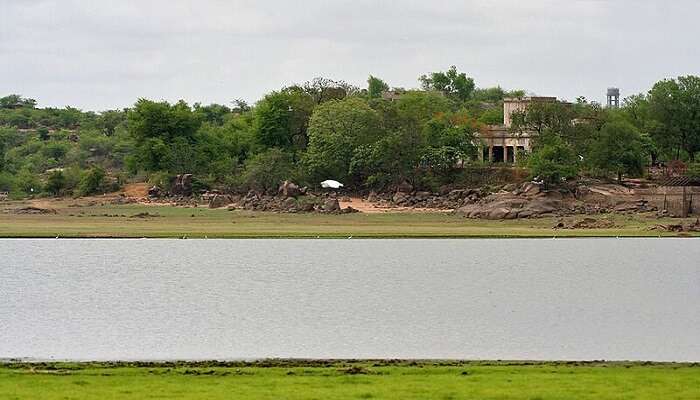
(490, 153)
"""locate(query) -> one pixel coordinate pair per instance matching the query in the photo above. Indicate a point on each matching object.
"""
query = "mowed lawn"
(165, 221)
(358, 381)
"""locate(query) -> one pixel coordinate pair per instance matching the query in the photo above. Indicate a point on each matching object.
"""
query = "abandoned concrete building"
(497, 143)
(500, 144)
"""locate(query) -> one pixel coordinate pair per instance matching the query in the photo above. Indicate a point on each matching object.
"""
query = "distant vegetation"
(329, 129)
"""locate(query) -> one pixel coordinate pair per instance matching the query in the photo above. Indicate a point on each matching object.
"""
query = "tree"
(324, 89)
(449, 140)
(92, 181)
(266, 170)
(541, 116)
(156, 127)
(16, 101)
(43, 133)
(213, 113)
(56, 183)
(375, 87)
(675, 104)
(108, 121)
(618, 149)
(336, 129)
(453, 84)
(552, 160)
(281, 119)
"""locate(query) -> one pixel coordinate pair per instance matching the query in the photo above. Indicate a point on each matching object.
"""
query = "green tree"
(265, 171)
(453, 84)
(281, 119)
(109, 120)
(92, 181)
(156, 127)
(56, 183)
(16, 101)
(552, 160)
(618, 149)
(43, 133)
(675, 104)
(336, 129)
(375, 87)
(449, 140)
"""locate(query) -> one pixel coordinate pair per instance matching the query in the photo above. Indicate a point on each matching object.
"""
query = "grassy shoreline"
(351, 379)
(157, 221)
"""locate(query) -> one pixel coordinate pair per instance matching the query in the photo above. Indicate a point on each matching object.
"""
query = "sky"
(99, 55)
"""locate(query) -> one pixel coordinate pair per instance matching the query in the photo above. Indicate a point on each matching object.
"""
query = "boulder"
(500, 213)
(530, 188)
(404, 187)
(289, 204)
(372, 197)
(155, 191)
(219, 200)
(422, 196)
(182, 185)
(400, 198)
(331, 205)
(289, 189)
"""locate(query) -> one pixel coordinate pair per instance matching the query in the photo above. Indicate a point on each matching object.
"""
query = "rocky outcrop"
(585, 223)
(182, 185)
(531, 200)
(219, 200)
(290, 189)
(331, 205)
(35, 210)
(512, 207)
(155, 192)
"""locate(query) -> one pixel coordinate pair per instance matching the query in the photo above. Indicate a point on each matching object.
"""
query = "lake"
(564, 299)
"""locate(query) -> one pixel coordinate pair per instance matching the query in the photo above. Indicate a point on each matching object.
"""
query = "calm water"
(470, 299)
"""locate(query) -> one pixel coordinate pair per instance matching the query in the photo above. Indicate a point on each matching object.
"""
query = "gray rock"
(289, 189)
(331, 205)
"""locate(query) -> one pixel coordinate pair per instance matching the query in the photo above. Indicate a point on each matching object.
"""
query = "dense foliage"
(326, 129)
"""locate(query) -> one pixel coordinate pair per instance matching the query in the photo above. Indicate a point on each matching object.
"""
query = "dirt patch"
(136, 190)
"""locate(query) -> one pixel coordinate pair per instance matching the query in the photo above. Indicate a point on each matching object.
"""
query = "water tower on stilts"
(613, 97)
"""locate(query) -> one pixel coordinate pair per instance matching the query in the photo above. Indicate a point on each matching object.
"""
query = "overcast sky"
(105, 54)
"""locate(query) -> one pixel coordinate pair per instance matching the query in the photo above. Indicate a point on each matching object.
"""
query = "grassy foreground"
(106, 220)
(359, 380)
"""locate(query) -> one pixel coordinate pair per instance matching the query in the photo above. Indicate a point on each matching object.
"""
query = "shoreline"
(331, 362)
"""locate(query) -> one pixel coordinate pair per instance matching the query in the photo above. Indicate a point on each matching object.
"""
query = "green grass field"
(122, 221)
(366, 380)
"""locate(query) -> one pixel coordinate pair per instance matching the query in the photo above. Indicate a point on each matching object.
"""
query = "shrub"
(92, 181)
(56, 183)
(265, 171)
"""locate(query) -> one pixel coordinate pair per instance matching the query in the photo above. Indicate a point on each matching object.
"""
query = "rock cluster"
(691, 227)
(182, 185)
(585, 223)
(421, 199)
(531, 200)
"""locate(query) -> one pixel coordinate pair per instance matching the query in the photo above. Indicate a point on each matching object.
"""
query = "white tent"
(331, 184)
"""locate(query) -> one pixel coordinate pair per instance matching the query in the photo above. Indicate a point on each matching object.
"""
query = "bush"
(56, 183)
(92, 181)
(693, 170)
(7, 182)
(265, 171)
(160, 179)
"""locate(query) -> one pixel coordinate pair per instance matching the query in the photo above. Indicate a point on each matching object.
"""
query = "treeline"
(326, 129)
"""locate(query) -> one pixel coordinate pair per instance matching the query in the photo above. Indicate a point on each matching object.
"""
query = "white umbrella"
(331, 184)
